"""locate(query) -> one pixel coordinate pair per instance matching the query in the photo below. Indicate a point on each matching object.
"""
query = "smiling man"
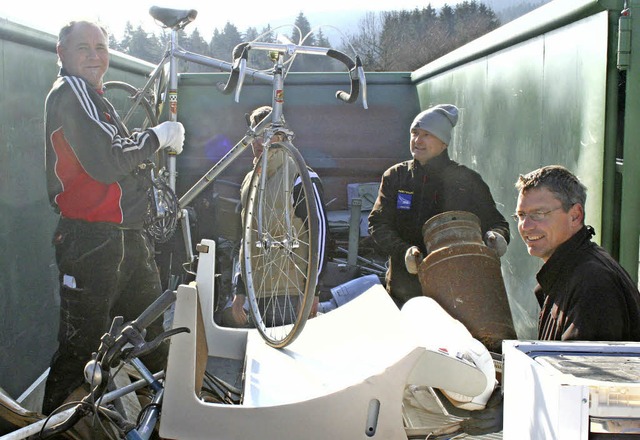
(584, 294)
(413, 191)
(99, 184)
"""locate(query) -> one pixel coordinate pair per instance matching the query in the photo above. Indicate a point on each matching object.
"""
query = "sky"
(50, 16)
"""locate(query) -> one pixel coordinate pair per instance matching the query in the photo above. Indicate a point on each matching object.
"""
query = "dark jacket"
(410, 194)
(586, 295)
(91, 159)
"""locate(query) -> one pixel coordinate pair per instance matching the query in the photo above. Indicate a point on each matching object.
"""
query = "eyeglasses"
(536, 216)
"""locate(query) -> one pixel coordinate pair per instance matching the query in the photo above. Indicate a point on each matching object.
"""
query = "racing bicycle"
(280, 224)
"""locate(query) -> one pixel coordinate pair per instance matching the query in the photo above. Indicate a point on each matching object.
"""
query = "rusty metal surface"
(463, 275)
(451, 227)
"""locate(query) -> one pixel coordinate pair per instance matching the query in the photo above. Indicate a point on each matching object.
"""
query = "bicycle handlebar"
(155, 310)
(353, 75)
(177, 19)
(241, 54)
(133, 332)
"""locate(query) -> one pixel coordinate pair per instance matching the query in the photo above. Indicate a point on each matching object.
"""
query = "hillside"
(348, 22)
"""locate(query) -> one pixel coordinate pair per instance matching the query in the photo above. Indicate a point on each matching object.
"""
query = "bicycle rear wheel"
(280, 244)
(134, 108)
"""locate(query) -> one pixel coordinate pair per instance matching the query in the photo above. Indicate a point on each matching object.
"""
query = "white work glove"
(496, 241)
(412, 259)
(170, 135)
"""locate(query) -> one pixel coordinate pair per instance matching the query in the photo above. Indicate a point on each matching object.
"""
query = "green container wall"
(531, 96)
(28, 279)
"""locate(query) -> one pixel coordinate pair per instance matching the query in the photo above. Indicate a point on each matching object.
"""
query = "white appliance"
(571, 390)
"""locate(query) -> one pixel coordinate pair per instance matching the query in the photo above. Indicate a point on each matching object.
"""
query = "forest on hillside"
(386, 41)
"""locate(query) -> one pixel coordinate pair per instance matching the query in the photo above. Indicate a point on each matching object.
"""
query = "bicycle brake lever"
(242, 72)
(239, 54)
(363, 85)
(153, 344)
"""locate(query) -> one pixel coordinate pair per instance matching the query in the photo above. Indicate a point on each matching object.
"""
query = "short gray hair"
(70, 26)
(564, 185)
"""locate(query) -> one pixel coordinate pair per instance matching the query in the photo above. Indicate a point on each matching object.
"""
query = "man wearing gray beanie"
(413, 191)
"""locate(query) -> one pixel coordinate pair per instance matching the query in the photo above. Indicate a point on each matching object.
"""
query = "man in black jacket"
(584, 294)
(412, 192)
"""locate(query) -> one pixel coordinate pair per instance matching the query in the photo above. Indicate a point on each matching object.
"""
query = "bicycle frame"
(277, 79)
(239, 72)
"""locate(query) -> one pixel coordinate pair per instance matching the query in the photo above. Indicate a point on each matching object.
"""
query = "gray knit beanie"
(438, 120)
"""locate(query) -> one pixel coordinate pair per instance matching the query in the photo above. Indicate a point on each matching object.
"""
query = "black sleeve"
(383, 224)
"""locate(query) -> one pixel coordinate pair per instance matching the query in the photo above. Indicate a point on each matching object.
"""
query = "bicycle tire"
(280, 269)
(135, 110)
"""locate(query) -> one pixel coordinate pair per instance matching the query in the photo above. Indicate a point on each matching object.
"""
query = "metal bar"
(630, 202)
(354, 230)
(609, 228)
(224, 66)
(222, 164)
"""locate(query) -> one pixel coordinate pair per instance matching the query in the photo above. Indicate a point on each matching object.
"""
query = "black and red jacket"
(91, 158)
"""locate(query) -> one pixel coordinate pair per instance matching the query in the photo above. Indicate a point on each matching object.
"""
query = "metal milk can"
(463, 275)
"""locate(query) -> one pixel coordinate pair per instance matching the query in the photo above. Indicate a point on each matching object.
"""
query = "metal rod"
(354, 231)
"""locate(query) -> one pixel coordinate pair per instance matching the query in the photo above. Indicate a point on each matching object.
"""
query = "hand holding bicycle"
(170, 136)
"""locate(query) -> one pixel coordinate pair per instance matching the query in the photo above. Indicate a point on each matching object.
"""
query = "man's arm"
(301, 212)
(598, 309)
(104, 152)
(490, 218)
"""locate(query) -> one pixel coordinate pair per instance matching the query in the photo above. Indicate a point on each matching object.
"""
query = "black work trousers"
(105, 271)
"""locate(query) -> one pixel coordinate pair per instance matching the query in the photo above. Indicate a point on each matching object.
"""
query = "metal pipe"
(630, 202)
(354, 231)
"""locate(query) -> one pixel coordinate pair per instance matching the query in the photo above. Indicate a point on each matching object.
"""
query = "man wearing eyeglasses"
(584, 294)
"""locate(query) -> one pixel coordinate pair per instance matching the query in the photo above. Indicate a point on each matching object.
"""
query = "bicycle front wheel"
(280, 244)
(131, 104)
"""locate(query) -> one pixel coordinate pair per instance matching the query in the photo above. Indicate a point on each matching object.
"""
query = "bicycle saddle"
(173, 18)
